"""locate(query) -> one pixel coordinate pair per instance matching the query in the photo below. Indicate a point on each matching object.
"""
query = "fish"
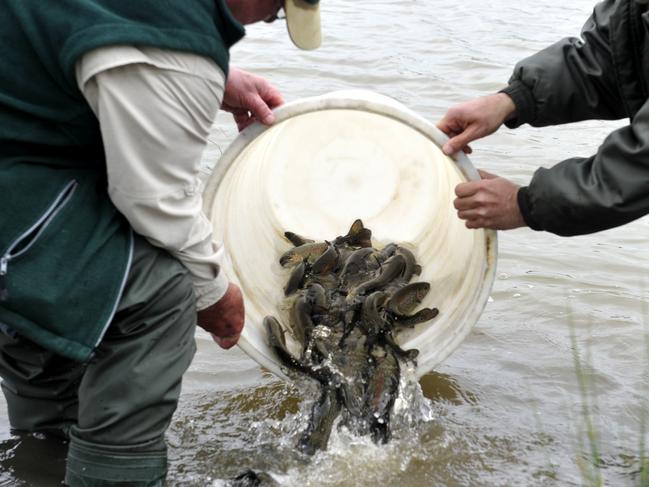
(296, 239)
(381, 394)
(406, 299)
(372, 323)
(317, 298)
(277, 342)
(386, 252)
(326, 262)
(250, 478)
(304, 253)
(411, 268)
(421, 316)
(357, 235)
(410, 354)
(356, 264)
(323, 414)
(301, 322)
(295, 279)
(347, 300)
(390, 270)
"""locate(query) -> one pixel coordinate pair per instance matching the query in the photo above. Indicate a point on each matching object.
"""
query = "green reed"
(643, 478)
(589, 460)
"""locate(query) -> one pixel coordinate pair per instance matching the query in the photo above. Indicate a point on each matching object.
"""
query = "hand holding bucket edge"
(224, 319)
(473, 120)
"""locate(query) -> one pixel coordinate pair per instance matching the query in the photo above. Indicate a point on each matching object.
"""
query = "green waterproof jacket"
(65, 250)
(602, 75)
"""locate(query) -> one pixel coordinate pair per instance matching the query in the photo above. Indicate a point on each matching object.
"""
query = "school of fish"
(346, 302)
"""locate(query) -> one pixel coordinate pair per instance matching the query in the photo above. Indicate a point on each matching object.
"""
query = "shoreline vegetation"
(589, 459)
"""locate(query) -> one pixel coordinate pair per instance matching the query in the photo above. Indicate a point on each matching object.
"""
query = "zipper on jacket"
(29, 237)
(4, 294)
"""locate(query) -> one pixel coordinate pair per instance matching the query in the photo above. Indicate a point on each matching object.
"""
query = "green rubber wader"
(116, 407)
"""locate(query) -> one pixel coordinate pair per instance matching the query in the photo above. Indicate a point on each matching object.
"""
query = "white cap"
(303, 22)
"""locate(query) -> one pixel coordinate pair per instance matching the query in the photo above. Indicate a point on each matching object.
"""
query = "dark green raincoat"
(64, 248)
(602, 75)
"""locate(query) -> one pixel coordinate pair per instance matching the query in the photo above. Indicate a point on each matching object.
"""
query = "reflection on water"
(506, 405)
(32, 460)
(441, 387)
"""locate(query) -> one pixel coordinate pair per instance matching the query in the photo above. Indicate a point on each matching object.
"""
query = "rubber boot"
(91, 465)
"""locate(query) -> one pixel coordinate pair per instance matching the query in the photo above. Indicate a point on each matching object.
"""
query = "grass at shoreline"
(589, 456)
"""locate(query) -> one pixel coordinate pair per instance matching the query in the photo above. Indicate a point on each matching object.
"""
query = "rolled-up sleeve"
(155, 109)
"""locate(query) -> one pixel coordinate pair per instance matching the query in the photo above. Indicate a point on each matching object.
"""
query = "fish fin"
(296, 239)
(356, 228)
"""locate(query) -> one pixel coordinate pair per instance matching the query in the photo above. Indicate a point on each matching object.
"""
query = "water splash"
(348, 452)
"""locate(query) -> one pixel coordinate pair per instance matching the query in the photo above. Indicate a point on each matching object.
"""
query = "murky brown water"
(506, 406)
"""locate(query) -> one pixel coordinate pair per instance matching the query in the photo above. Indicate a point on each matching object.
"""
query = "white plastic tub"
(327, 161)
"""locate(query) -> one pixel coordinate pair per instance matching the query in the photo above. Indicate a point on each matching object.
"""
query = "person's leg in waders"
(116, 408)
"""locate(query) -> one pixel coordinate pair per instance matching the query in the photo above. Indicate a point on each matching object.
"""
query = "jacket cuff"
(525, 205)
(212, 292)
(523, 98)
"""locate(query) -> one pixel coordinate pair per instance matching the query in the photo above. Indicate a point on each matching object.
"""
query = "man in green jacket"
(107, 261)
(602, 75)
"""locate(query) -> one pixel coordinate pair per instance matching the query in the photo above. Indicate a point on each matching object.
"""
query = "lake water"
(506, 408)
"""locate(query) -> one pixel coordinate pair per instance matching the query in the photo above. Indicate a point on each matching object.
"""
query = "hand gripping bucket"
(327, 161)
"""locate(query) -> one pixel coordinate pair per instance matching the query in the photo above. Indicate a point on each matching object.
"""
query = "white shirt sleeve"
(155, 109)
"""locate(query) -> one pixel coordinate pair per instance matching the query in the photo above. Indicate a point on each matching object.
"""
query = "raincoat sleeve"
(571, 80)
(585, 195)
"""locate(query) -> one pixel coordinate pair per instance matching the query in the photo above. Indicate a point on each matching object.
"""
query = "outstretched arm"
(572, 80)
(576, 196)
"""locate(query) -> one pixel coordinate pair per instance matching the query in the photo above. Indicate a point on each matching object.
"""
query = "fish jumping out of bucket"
(347, 300)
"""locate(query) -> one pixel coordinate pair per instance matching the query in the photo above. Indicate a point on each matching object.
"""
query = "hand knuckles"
(480, 197)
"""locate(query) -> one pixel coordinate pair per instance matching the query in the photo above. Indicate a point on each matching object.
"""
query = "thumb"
(459, 142)
(486, 175)
(260, 110)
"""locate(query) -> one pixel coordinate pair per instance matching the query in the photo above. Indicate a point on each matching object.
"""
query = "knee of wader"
(95, 465)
